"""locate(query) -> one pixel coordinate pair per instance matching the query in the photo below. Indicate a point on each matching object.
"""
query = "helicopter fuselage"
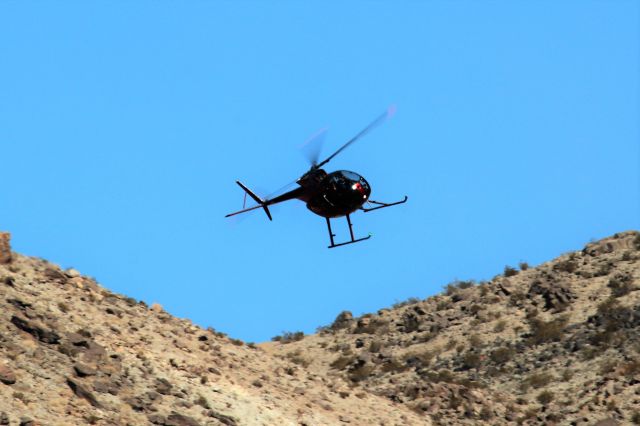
(329, 195)
(337, 194)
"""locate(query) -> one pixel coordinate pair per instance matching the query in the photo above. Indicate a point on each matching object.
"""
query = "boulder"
(83, 392)
(7, 376)
(83, 370)
(176, 419)
(343, 320)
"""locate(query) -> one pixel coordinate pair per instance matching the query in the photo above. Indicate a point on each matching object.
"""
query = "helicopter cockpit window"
(350, 175)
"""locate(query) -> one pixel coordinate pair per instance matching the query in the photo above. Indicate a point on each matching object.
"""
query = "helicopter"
(330, 195)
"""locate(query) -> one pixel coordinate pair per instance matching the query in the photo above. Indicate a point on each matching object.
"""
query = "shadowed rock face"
(38, 330)
(554, 344)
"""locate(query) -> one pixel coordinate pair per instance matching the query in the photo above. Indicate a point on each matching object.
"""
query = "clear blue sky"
(123, 126)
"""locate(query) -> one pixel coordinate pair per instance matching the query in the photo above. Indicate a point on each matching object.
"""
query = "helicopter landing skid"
(353, 239)
(383, 205)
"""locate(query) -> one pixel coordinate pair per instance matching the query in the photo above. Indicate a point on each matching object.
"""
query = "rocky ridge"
(555, 344)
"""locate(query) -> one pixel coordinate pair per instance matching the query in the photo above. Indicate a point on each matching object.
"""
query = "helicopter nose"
(361, 189)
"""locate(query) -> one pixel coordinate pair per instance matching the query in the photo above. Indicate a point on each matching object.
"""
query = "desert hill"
(554, 344)
(74, 353)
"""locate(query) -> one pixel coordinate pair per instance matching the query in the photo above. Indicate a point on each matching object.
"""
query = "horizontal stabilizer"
(262, 203)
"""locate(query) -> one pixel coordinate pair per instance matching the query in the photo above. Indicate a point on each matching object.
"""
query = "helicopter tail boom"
(257, 199)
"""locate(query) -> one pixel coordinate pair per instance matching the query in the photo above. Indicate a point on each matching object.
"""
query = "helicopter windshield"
(345, 184)
(353, 181)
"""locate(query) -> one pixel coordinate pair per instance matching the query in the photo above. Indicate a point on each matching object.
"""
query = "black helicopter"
(329, 195)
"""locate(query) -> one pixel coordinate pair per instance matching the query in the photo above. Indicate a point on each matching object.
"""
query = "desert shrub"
(443, 375)
(475, 308)
(539, 380)
(493, 299)
(531, 312)
(453, 287)
(545, 397)
(605, 339)
(360, 373)
(297, 358)
(501, 355)
(236, 342)
(608, 366)
(500, 326)
(409, 301)
(451, 343)
(443, 304)
(475, 341)
(450, 289)
(517, 297)
(524, 266)
(92, 419)
(486, 413)
(509, 271)
(621, 285)
(454, 402)
(342, 361)
(63, 307)
(631, 368)
(393, 365)
(635, 418)
(568, 266)
(424, 337)
(604, 269)
(465, 284)
(590, 352)
(375, 346)
(471, 360)
(484, 289)
(21, 396)
(607, 306)
(202, 401)
(288, 337)
(617, 321)
(410, 322)
(423, 357)
(130, 301)
(546, 331)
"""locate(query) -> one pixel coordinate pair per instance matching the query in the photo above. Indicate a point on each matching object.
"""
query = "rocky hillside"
(555, 344)
(73, 353)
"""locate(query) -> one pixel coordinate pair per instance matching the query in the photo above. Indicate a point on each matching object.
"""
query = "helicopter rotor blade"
(379, 120)
(311, 147)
